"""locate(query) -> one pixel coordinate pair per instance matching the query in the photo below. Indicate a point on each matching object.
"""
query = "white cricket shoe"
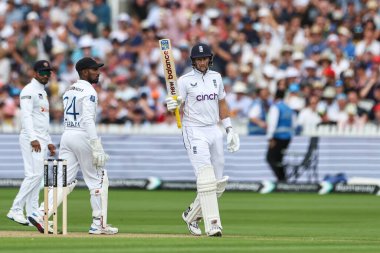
(18, 217)
(99, 230)
(192, 226)
(38, 222)
(215, 231)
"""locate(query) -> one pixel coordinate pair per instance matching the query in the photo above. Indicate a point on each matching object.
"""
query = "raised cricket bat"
(170, 73)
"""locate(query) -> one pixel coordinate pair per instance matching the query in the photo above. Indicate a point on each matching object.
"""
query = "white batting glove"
(173, 104)
(233, 141)
(98, 154)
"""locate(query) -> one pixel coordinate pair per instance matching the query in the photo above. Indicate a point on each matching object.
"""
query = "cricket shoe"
(99, 230)
(18, 217)
(38, 222)
(215, 231)
(192, 226)
(49, 222)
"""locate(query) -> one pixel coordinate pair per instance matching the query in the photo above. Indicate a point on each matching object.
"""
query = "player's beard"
(202, 69)
(94, 80)
(43, 80)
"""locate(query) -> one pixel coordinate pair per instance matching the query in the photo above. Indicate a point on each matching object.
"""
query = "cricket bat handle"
(177, 115)
(178, 118)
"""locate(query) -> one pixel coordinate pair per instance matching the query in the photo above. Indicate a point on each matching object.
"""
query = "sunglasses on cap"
(44, 73)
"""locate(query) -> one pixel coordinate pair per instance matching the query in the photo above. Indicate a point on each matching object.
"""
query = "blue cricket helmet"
(201, 50)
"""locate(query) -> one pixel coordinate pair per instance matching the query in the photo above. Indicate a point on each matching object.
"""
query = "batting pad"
(206, 185)
(104, 196)
(195, 212)
(99, 200)
(221, 186)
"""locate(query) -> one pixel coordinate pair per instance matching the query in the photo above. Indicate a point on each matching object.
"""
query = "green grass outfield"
(150, 221)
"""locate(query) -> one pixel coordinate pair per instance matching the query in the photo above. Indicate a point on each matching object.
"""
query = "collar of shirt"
(197, 72)
(84, 82)
(37, 84)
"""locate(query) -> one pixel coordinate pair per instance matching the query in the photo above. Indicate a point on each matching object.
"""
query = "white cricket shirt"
(80, 102)
(201, 94)
(35, 112)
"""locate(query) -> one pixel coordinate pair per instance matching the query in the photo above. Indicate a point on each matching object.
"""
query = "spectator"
(340, 63)
(258, 113)
(238, 101)
(316, 43)
(294, 99)
(112, 116)
(251, 43)
(346, 44)
(368, 43)
(352, 120)
(310, 73)
(102, 11)
(5, 66)
(309, 117)
(376, 113)
(86, 49)
(286, 56)
(297, 58)
(327, 104)
(338, 112)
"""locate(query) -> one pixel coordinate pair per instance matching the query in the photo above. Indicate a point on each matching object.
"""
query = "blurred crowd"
(325, 54)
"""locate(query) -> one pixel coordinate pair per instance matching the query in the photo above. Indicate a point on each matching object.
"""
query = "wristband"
(226, 122)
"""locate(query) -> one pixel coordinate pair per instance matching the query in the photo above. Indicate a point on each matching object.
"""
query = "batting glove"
(233, 141)
(172, 103)
(98, 154)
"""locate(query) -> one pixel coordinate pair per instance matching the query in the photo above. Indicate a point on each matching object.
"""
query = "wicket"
(55, 196)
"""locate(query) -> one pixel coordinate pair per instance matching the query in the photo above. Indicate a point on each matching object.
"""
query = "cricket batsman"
(82, 148)
(203, 97)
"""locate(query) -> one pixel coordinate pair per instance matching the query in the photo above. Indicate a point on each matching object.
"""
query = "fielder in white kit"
(34, 141)
(81, 146)
(203, 95)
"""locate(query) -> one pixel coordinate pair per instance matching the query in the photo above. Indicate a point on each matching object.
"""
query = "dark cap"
(87, 63)
(42, 65)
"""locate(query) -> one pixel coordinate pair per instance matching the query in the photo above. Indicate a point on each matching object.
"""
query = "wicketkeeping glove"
(98, 154)
(172, 103)
(233, 141)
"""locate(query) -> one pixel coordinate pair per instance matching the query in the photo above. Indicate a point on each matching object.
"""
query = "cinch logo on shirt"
(204, 97)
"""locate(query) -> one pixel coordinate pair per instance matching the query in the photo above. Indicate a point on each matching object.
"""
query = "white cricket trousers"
(34, 170)
(75, 148)
(204, 146)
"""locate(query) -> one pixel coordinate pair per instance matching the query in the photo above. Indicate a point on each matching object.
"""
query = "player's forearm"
(224, 112)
